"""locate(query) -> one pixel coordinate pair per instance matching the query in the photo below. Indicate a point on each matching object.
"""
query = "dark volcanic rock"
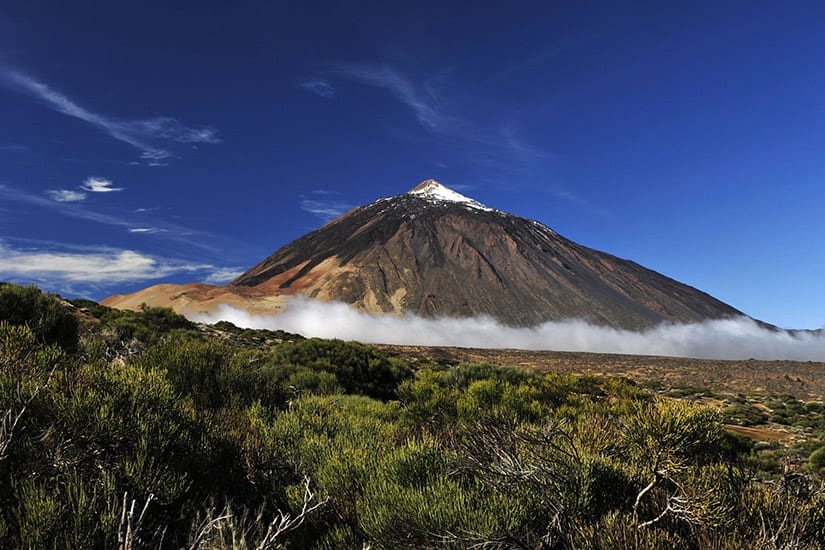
(436, 253)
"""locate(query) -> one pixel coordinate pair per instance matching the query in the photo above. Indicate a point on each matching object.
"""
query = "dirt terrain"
(804, 380)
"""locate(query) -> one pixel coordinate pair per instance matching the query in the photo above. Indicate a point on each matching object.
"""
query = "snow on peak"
(431, 189)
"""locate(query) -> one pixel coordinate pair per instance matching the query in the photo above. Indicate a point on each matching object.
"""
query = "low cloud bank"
(736, 338)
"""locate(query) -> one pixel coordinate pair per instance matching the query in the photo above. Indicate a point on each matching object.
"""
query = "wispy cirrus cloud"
(171, 129)
(511, 135)
(322, 204)
(12, 148)
(145, 230)
(433, 112)
(67, 208)
(419, 99)
(318, 86)
(142, 134)
(66, 195)
(496, 143)
(119, 219)
(99, 185)
(223, 275)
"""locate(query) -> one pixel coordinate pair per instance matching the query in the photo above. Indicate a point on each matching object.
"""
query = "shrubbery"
(252, 440)
(48, 319)
(148, 325)
(357, 368)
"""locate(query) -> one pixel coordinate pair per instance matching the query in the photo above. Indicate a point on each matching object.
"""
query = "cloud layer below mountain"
(735, 338)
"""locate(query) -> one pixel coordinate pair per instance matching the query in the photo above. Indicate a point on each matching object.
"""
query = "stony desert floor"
(803, 380)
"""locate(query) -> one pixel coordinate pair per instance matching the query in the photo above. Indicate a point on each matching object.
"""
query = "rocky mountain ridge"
(434, 252)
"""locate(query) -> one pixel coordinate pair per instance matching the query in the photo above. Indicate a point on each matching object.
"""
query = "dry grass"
(804, 380)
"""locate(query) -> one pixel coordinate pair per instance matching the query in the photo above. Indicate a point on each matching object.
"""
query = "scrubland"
(144, 430)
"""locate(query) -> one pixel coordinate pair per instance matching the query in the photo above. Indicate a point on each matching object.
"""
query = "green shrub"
(88, 435)
(214, 431)
(817, 459)
(333, 439)
(149, 325)
(255, 337)
(193, 368)
(672, 434)
(359, 369)
(50, 321)
(617, 530)
(744, 415)
(441, 514)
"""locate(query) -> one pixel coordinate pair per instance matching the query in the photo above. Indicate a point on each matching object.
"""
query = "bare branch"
(10, 420)
(129, 530)
(284, 523)
(246, 532)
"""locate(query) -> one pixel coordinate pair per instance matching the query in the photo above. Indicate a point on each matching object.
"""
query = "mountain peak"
(433, 252)
(433, 190)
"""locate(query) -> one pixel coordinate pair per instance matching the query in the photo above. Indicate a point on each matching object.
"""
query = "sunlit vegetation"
(143, 430)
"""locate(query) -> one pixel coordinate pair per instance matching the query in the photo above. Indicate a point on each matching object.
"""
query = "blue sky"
(185, 141)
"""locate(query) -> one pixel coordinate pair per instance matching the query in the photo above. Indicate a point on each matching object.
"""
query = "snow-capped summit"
(433, 252)
(432, 189)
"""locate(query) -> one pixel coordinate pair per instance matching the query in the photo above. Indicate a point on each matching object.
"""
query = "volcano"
(434, 252)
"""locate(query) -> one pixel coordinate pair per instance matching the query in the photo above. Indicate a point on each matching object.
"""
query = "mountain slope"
(434, 252)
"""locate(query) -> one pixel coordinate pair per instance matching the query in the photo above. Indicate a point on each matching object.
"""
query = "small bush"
(50, 321)
(817, 459)
(744, 415)
(148, 325)
(359, 369)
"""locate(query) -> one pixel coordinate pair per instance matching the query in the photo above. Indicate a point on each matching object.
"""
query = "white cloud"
(91, 185)
(102, 267)
(501, 146)
(172, 130)
(736, 338)
(99, 185)
(145, 230)
(140, 134)
(510, 134)
(318, 86)
(72, 210)
(170, 231)
(422, 104)
(224, 275)
(66, 195)
(109, 267)
(325, 210)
